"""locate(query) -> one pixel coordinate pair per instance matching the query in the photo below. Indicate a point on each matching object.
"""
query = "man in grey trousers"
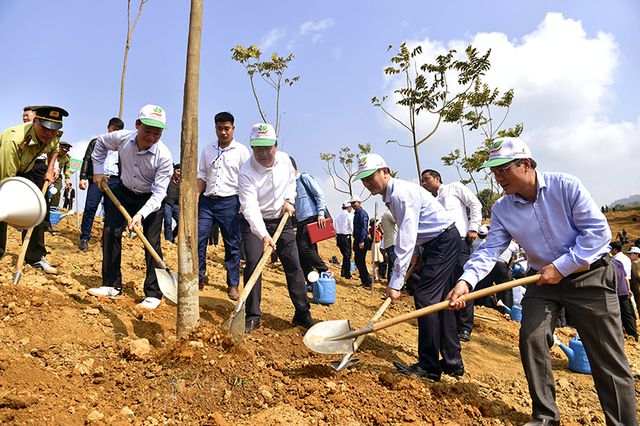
(566, 237)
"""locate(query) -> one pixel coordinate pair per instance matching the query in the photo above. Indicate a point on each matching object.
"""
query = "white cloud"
(311, 27)
(272, 38)
(563, 79)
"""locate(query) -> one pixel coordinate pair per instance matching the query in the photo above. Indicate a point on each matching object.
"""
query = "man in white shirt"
(146, 167)
(390, 231)
(456, 199)
(422, 223)
(219, 204)
(267, 185)
(343, 225)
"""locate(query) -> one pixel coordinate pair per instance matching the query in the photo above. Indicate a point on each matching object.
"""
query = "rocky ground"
(68, 358)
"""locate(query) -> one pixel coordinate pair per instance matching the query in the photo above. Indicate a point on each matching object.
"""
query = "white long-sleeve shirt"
(456, 198)
(343, 223)
(143, 172)
(219, 168)
(420, 219)
(263, 191)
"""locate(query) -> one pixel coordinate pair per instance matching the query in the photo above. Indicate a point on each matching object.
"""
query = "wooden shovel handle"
(263, 260)
(27, 238)
(372, 321)
(445, 304)
(136, 228)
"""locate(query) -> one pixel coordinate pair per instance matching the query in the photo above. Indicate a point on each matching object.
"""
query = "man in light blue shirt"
(566, 237)
(310, 208)
(422, 223)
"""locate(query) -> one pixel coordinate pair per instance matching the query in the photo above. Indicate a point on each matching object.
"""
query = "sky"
(573, 64)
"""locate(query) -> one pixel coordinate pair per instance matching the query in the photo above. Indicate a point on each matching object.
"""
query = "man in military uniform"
(63, 169)
(19, 147)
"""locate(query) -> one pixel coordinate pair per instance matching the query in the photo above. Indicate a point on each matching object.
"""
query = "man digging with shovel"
(146, 167)
(566, 237)
(422, 223)
(267, 189)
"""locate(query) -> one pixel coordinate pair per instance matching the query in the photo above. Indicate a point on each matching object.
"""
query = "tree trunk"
(130, 30)
(188, 306)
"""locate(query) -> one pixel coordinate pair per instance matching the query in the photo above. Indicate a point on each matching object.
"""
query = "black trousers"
(628, 316)
(464, 317)
(437, 332)
(287, 250)
(343, 241)
(36, 248)
(360, 258)
(635, 289)
(114, 224)
(308, 253)
(391, 260)
(498, 275)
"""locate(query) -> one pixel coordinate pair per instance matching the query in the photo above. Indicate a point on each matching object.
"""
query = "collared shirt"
(308, 203)
(263, 191)
(626, 263)
(360, 225)
(420, 218)
(19, 148)
(219, 168)
(390, 229)
(563, 226)
(343, 223)
(456, 198)
(111, 164)
(622, 286)
(143, 172)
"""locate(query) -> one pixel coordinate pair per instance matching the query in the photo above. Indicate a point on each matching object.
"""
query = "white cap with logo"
(153, 115)
(368, 164)
(505, 150)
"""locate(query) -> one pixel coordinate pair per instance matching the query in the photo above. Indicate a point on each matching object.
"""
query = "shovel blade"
(168, 283)
(316, 337)
(346, 362)
(236, 324)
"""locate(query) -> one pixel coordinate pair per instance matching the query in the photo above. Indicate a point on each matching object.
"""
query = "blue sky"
(573, 64)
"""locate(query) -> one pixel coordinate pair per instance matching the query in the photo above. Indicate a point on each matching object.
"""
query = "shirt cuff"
(396, 282)
(566, 266)
(469, 278)
(98, 169)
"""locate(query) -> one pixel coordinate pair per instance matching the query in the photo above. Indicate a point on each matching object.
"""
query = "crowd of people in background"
(429, 238)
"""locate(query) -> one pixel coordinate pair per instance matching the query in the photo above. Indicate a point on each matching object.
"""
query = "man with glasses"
(146, 166)
(566, 237)
(219, 204)
(20, 146)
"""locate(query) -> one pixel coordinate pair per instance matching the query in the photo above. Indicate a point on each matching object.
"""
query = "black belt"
(219, 197)
(603, 261)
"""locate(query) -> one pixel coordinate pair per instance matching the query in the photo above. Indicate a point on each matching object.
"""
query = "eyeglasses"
(502, 170)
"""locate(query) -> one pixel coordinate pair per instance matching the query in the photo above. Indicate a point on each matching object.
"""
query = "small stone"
(196, 344)
(92, 311)
(94, 416)
(139, 349)
(126, 412)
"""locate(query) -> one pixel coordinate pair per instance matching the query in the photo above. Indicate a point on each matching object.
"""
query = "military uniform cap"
(65, 143)
(50, 116)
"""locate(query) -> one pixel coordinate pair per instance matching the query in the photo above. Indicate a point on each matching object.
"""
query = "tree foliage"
(435, 88)
(272, 72)
(342, 168)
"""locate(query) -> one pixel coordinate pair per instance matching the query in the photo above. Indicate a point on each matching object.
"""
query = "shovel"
(237, 318)
(346, 359)
(337, 337)
(167, 280)
(25, 243)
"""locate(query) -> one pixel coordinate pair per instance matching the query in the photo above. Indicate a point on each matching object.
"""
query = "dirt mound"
(69, 358)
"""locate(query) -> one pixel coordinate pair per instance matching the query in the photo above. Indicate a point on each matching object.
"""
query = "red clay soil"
(69, 358)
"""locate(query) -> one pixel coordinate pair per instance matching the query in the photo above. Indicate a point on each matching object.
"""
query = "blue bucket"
(579, 362)
(516, 313)
(54, 215)
(324, 290)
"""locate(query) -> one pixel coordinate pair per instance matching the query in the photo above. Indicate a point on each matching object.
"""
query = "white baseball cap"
(634, 250)
(346, 204)
(262, 134)
(153, 115)
(354, 199)
(505, 150)
(368, 164)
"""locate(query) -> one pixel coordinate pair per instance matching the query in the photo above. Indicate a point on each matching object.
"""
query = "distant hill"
(629, 201)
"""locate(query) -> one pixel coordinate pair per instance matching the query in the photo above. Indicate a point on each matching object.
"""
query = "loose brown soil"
(69, 358)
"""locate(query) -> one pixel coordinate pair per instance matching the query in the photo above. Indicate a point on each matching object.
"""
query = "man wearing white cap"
(361, 241)
(267, 189)
(566, 237)
(146, 167)
(422, 223)
(343, 225)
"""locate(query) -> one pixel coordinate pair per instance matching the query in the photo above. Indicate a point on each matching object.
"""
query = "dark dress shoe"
(303, 320)
(543, 422)
(251, 325)
(464, 336)
(84, 245)
(415, 370)
(233, 292)
(455, 371)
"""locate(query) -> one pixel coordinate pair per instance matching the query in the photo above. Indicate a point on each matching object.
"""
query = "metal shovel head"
(236, 323)
(168, 283)
(316, 337)
(346, 362)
